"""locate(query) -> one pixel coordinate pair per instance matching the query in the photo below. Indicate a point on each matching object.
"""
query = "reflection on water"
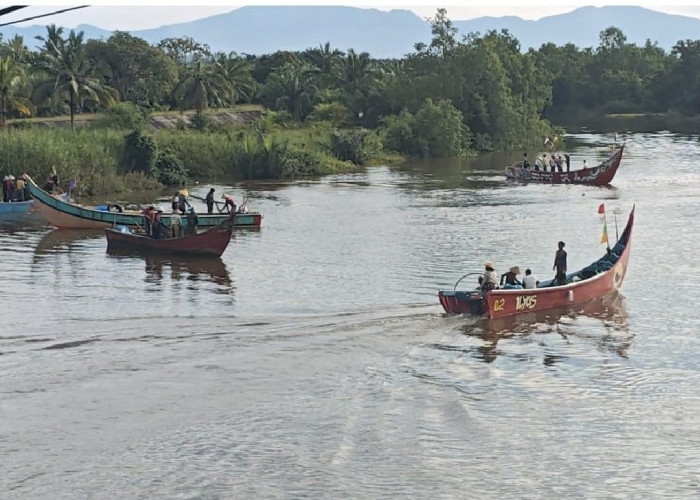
(11, 222)
(610, 331)
(179, 268)
(64, 240)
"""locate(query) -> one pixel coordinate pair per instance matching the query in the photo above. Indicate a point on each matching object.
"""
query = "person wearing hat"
(158, 223)
(229, 202)
(511, 278)
(488, 281)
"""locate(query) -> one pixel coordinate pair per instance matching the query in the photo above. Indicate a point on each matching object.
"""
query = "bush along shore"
(106, 160)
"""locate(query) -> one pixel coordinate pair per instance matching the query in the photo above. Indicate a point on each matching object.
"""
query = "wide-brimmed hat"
(514, 269)
(488, 263)
(159, 208)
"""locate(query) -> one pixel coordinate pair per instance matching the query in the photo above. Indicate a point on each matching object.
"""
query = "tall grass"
(92, 156)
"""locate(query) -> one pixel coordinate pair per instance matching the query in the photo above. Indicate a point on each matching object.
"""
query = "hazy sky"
(131, 15)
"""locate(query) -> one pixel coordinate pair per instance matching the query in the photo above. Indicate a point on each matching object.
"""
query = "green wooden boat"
(63, 213)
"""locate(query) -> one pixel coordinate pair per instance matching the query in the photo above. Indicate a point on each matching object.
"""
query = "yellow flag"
(604, 238)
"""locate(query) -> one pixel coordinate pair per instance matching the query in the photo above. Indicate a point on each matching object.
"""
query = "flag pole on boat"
(604, 237)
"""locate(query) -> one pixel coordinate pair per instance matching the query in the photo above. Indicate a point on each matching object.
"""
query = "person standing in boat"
(209, 200)
(568, 161)
(526, 163)
(158, 223)
(148, 214)
(174, 202)
(560, 265)
(488, 281)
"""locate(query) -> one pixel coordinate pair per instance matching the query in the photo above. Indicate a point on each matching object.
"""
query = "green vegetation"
(321, 110)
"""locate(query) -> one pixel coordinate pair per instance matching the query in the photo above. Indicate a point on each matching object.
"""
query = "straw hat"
(515, 269)
(488, 263)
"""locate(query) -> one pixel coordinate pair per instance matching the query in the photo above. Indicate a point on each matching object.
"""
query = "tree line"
(446, 98)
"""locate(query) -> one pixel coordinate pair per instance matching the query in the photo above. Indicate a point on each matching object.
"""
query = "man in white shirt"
(529, 281)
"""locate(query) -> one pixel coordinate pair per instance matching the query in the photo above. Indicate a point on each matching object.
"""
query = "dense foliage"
(445, 99)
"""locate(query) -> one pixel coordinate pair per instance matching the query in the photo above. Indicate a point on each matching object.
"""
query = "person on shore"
(230, 203)
(529, 281)
(209, 200)
(511, 278)
(560, 265)
(488, 281)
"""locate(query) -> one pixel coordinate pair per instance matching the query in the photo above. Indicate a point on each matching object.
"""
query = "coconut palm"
(69, 72)
(293, 88)
(237, 72)
(12, 78)
(201, 86)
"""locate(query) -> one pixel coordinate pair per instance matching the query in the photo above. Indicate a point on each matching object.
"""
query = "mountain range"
(392, 34)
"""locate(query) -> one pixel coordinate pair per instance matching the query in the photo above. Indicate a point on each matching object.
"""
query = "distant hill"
(263, 30)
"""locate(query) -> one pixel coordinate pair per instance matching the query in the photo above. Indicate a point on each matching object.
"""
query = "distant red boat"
(597, 280)
(600, 175)
(212, 242)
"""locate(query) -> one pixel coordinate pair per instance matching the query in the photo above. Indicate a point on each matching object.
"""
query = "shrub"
(168, 169)
(440, 130)
(139, 153)
(125, 115)
(351, 145)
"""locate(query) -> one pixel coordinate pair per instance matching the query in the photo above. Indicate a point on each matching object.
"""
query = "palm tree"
(69, 71)
(358, 77)
(326, 60)
(292, 87)
(12, 77)
(199, 87)
(237, 72)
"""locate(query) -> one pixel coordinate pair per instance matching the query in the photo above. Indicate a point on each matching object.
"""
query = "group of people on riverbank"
(14, 189)
(509, 280)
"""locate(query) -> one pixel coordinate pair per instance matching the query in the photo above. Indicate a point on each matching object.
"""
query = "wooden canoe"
(597, 280)
(210, 243)
(600, 175)
(67, 215)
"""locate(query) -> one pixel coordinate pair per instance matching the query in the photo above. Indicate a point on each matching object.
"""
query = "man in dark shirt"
(560, 265)
(210, 201)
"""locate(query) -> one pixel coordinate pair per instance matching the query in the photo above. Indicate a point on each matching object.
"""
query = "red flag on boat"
(601, 208)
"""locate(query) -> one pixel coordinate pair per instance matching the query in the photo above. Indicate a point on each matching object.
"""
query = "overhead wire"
(44, 15)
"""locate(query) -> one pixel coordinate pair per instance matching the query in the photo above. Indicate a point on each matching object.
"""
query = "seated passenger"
(529, 281)
(488, 281)
(511, 278)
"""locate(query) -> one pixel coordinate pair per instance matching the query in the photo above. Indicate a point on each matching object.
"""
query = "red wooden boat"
(211, 242)
(597, 280)
(600, 175)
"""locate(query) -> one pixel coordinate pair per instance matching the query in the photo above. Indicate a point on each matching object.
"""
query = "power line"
(11, 8)
(44, 15)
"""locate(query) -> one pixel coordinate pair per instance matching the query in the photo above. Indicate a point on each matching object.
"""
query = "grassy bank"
(95, 156)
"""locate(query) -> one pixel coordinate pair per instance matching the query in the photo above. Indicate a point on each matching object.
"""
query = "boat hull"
(16, 207)
(500, 303)
(600, 175)
(211, 243)
(66, 215)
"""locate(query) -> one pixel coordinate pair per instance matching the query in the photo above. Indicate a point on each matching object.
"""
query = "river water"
(314, 360)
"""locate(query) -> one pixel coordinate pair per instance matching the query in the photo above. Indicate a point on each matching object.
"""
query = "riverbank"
(628, 122)
(108, 161)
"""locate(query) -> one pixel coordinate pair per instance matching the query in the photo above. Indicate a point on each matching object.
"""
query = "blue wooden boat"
(65, 214)
(15, 207)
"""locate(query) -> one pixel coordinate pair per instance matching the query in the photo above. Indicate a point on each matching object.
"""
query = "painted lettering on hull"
(525, 302)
